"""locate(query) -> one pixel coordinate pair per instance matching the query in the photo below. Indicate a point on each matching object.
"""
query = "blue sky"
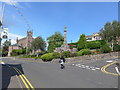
(47, 18)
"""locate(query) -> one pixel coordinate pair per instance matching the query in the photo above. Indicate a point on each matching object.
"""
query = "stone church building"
(26, 41)
(22, 43)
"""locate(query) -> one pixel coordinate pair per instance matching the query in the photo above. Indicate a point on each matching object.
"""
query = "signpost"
(5, 33)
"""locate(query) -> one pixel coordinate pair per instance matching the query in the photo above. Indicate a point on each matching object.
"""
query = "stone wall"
(107, 56)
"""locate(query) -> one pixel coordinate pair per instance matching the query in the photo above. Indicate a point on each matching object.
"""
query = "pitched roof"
(22, 38)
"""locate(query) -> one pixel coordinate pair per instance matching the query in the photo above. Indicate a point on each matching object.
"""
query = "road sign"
(5, 37)
(5, 33)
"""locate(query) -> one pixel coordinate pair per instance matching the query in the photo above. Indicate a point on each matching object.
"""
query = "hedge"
(84, 52)
(105, 49)
(65, 54)
(116, 48)
(56, 55)
(50, 56)
(17, 52)
(93, 45)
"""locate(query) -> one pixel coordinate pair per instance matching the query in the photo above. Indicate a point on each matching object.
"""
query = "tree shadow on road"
(8, 72)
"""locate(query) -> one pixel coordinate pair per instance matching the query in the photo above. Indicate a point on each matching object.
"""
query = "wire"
(29, 27)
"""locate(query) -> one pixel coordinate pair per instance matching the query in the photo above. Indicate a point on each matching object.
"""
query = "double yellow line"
(103, 69)
(26, 82)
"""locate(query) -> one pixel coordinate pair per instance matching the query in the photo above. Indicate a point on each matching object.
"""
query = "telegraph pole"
(2, 16)
(1, 26)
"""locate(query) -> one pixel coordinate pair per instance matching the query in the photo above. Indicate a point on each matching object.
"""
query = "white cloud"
(10, 2)
(13, 37)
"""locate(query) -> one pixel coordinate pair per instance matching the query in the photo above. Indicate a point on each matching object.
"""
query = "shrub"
(93, 45)
(103, 42)
(42, 53)
(5, 53)
(47, 57)
(56, 55)
(105, 49)
(65, 54)
(84, 52)
(116, 47)
(73, 55)
(17, 52)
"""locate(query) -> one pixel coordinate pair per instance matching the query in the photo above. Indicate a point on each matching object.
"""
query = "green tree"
(110, 32)
(54, 41)
(106, 32)
(6, 45)
(38, 43)
(82, 42)
(105, 49)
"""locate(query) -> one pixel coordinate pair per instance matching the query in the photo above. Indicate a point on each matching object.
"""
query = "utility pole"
(1, 27)
(2, 16)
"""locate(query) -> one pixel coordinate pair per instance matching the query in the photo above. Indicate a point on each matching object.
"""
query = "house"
(93, 37)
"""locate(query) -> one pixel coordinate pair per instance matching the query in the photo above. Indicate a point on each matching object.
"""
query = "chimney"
(17, 40)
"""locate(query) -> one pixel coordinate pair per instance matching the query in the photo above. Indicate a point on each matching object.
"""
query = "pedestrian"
(62, 61)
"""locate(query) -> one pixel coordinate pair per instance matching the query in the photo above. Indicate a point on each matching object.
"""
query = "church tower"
(29, 33)
(29, 38)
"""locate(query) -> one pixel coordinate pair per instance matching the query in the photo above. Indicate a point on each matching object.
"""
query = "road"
(86, 74)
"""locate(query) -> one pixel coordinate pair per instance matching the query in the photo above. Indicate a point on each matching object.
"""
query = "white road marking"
(76, 65)
(86, 67)
(93, 69)
(2, 63)
(98, 68)
(109, 61)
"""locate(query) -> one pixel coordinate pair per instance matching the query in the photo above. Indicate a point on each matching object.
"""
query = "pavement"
(29, 74)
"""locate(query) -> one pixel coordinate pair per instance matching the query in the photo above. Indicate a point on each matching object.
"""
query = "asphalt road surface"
(85, 74)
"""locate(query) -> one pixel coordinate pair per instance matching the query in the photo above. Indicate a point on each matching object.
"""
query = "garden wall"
(106, 56)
